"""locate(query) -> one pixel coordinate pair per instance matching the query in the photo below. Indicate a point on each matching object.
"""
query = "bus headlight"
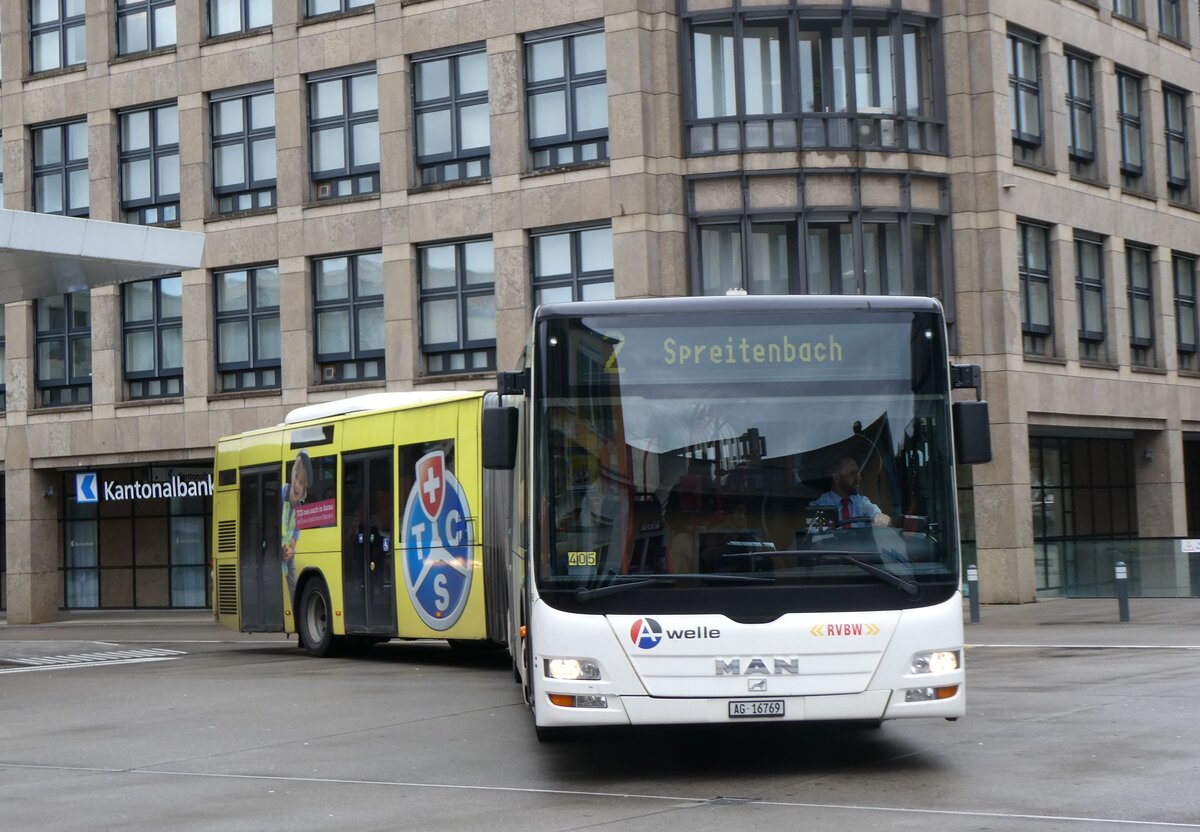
(573, 670)
(936, 661)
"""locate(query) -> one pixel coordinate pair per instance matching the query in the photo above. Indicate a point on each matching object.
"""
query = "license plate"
(753, 708)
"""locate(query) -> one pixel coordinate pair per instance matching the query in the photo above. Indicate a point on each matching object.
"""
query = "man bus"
(671, 561)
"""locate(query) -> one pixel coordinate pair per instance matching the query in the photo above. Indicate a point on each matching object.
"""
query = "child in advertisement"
(293, 494)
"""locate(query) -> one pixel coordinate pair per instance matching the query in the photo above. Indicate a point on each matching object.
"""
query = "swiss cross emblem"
(431, 483)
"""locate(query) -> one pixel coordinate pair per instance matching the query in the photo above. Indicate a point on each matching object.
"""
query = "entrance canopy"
(43, 254)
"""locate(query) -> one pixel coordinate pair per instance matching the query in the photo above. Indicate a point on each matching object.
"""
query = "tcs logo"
(438, 542)
(646, 633)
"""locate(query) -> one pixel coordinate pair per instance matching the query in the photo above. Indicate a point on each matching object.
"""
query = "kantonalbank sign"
(89, 488)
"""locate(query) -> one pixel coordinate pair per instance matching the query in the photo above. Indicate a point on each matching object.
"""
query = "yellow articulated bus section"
(379, 511)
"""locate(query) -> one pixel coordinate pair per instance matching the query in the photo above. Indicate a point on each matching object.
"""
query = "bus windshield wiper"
(637, 581)
(909, 588)
(585, 594)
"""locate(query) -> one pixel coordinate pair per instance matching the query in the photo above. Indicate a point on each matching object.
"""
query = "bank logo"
(646, 633)
(438, 543)
(85, 488)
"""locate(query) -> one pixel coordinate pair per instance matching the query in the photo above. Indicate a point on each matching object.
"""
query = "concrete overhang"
(43, 254)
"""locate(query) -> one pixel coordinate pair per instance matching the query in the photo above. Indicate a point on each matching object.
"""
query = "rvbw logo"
(438, 543)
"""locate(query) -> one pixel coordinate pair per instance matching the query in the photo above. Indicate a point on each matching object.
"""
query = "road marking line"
(698, 801)
(1098, 646)
(28, 664)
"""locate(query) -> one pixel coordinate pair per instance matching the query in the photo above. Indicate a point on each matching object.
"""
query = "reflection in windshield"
(798, 483)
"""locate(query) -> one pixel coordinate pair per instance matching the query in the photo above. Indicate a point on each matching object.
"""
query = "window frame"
(129, 8)
(64, 168)
(577, 142)
(1140, 295)
(1080, 108)
(818, 56)
(1029, 276)
(232, 374)
(1176, 136)
(1090, 285)
(139, 383)
(69, 389)
(1171, 10)
(62, 24)
(360, 179)
(366, 364)
(159, 203)
(1127, 10)
(250, 188)
(344, 7)
(1185, 303)
(435, 168)
(461, 293)
(244, 8)
(577, 279)
(1128, 120)
(1020, 87)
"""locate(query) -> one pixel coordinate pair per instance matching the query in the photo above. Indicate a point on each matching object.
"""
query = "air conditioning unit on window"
(324, 190)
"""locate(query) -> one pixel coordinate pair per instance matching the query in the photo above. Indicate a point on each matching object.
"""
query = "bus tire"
(315, 621)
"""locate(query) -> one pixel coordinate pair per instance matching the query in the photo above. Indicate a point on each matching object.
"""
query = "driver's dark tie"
(846, 509)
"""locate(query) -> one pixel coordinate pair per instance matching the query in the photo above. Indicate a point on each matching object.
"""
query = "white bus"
(734, 509)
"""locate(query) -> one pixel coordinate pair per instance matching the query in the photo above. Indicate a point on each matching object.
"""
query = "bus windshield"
(752, 465)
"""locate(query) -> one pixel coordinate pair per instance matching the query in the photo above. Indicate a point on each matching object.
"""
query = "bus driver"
(854, 511)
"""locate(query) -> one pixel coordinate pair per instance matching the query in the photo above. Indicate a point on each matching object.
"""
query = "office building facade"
(389, 188)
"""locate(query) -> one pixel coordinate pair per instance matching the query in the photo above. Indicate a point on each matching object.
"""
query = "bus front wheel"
(315, 621)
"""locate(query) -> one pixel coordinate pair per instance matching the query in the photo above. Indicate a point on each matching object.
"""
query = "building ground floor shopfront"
(131, 537)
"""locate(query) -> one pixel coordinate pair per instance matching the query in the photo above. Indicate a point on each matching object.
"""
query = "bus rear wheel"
(315, 622)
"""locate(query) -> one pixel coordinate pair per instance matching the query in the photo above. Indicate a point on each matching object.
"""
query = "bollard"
(1122, 581)
(973, 591)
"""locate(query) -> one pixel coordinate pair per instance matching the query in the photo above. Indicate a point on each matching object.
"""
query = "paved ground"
(146, 721)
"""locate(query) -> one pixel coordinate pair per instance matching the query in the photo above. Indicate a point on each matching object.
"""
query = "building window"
(63, 336)
(243, 148)
(450, 98)
(1141, 304)
(567, 95)
(56, 34)
(572, 265)
(247, 329)
(1129, 117)
(1089, 284)
(1127, 9)
(145, 25)
(1081, 107)
(60, 169)
(791, 81)
(348, 305)
(840, 257)
(343, 122)
(458, 307)
(315, 8)
(1170, 18)
(1175, 125)
(152, 326)
(3, 366)
(1184, 269)
(1024, 91)
(150, 165)
(226, 17)
(1033, 263)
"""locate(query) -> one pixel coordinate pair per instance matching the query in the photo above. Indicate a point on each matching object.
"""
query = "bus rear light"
(930, 694)
(563, 700)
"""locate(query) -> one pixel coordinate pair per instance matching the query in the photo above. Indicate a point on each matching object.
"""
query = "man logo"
(646, 633)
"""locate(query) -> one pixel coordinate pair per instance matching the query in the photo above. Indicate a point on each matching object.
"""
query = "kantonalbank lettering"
(758, 666)
(746, 352)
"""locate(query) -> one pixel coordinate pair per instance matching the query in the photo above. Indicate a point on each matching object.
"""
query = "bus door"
(259, 566)
(368, 557)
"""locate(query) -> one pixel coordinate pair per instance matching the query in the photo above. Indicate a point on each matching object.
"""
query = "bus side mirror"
(499, 438)
(972, 433)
